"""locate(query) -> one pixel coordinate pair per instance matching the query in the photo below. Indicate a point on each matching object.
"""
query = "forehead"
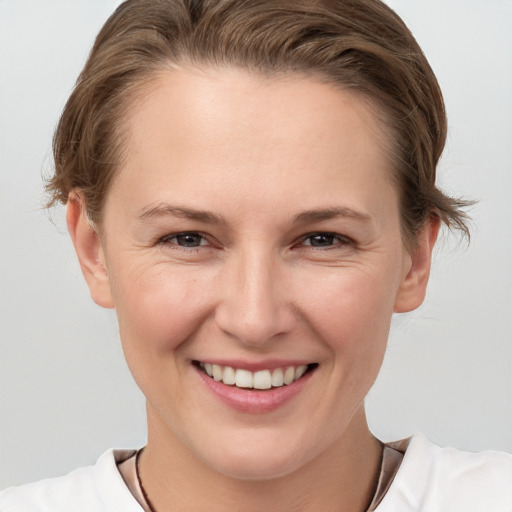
(245, 100)
(191, 129)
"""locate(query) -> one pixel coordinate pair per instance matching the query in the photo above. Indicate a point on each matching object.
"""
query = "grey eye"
(187, 240)
(321, 240)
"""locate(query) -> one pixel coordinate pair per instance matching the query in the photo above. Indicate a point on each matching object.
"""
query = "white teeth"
(277, 377)
(229, 377)
(243, 379)
(289, 374)
(217, 372)
(300, 371)
(263, 379)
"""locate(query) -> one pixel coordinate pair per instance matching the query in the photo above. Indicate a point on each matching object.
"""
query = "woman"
(251, 185)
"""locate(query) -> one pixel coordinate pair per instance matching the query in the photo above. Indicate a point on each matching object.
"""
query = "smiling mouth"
(261, 380)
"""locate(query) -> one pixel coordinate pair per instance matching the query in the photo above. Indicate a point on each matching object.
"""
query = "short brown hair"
(362, 45)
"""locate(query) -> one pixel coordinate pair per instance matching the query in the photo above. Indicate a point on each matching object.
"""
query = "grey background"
(65, 393)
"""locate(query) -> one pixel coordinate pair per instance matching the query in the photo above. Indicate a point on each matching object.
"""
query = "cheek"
(351, 312)
(159, 310)
(351, 303)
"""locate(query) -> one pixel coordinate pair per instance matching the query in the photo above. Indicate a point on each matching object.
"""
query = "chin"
(256, 468)
(257, 459)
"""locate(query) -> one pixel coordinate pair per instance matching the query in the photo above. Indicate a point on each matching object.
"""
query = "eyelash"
(333, 237)
(340, 240)
(167, 240)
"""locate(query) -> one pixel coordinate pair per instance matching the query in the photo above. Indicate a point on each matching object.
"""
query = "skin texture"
(276, 164)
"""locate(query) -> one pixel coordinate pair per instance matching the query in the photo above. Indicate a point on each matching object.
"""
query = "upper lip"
(254, 366)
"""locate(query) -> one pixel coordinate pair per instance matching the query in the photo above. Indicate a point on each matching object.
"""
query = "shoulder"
(438, 479)
(99, 488)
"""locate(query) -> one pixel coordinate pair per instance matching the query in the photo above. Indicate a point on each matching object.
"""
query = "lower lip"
(253, 400)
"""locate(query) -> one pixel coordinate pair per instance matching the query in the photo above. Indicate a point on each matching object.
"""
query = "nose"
(255, 305)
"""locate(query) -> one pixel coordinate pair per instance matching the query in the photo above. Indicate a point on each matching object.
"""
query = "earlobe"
(89, 250)
(413, 287)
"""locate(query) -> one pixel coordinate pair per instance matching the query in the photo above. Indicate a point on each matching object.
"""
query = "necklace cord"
(139, 481)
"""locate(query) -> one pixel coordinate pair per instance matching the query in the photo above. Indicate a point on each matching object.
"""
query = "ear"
(89, 250)
(413, 287)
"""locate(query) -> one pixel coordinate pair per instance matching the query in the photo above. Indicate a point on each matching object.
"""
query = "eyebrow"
(164, 210)
(308, 216)
(330, 213)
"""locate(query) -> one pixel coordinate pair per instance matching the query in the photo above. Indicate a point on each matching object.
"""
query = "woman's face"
(252, 228)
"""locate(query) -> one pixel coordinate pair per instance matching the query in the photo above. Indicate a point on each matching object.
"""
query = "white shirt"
(430, 479)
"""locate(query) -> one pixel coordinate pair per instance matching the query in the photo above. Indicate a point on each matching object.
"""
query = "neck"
(341, 479)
